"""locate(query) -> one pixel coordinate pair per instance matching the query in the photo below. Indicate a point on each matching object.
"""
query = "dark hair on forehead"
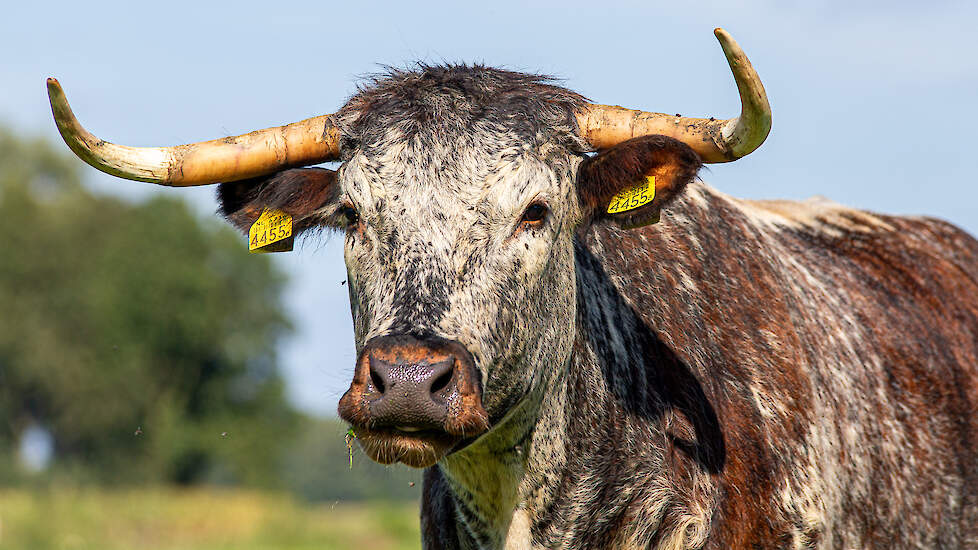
(452, 99)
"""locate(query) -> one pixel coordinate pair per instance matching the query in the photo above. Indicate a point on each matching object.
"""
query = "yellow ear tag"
(271, 232)
(633, 197)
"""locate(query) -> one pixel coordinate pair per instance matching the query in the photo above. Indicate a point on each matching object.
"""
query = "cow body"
(743, 375)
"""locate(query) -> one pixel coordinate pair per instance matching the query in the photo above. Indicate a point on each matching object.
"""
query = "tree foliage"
(141, 337)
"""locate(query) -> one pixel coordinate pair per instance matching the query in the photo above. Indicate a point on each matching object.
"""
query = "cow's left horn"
(714, 140)
(261, 152)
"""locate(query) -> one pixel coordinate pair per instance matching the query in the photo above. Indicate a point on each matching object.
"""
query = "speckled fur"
(741, 375)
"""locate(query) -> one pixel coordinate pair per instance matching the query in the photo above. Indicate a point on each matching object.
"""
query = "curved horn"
(714, 140)
(261, 152)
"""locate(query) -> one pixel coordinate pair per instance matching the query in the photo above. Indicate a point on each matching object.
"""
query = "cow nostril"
(378, 382)
(442, 381)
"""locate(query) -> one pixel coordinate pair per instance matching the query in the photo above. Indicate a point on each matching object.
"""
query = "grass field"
(197, 519)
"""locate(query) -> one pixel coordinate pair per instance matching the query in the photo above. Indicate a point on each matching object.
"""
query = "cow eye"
(349, 214)
(535, 212)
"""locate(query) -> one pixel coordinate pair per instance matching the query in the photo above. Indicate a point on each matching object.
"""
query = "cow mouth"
(415, 447)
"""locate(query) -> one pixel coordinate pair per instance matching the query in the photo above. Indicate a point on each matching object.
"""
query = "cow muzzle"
(414, 400)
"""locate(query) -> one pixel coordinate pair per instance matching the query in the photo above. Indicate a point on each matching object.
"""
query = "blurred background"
(162, 388)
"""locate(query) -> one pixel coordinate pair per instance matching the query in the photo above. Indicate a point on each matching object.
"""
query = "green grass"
(197, 519)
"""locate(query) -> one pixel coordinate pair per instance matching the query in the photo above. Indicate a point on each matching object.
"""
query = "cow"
(572, 374)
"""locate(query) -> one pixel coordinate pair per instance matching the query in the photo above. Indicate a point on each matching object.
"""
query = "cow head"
(459, 194)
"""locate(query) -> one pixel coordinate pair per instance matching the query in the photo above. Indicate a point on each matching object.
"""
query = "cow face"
(473, 249)
(459, 196)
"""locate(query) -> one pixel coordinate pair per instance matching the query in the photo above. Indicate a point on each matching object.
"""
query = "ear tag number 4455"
(271, 232)
(633, 197)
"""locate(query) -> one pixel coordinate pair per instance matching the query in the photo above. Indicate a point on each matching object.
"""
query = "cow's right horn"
(258, 153)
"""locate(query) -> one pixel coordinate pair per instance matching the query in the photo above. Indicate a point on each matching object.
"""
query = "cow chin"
(415, 449)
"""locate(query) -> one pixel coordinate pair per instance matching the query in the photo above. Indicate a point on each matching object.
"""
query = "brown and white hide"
(751, 374)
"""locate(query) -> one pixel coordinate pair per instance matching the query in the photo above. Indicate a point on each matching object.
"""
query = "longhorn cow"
(744, 374)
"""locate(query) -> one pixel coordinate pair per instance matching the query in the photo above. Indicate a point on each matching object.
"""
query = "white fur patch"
(518, 537)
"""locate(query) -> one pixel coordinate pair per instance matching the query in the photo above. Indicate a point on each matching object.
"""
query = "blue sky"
(875, 105)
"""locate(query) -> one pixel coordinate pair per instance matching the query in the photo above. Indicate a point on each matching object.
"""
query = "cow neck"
(622, 383)
(583, 432)
(508, 484)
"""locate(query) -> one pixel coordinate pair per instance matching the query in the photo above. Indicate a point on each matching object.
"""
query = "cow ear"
(631, 182)
(300, 193)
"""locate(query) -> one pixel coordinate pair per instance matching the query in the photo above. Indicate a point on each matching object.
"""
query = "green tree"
(141, 337)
